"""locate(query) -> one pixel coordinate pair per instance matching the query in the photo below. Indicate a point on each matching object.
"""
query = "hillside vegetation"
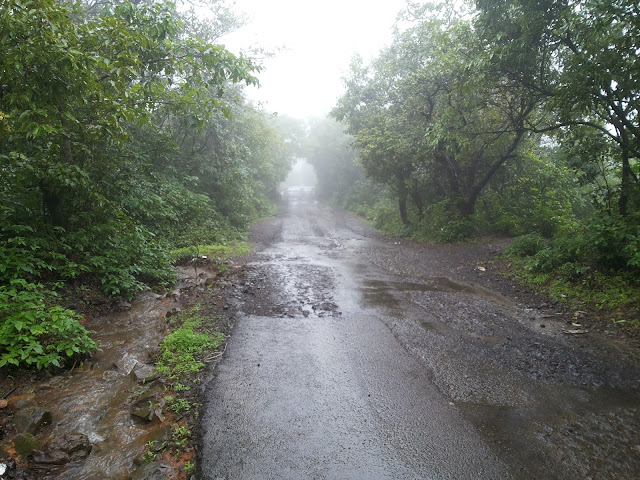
(124, 134)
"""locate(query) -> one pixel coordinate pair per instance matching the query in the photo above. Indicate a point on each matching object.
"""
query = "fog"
(319, 41)
(302, 174)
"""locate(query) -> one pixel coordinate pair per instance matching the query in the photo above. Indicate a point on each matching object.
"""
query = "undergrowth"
(35, 333)
(182, 349)
(584, 264)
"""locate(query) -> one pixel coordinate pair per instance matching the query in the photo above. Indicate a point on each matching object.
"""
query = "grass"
(613, 295)
(578, 285)
(182, 349)
(181, 361)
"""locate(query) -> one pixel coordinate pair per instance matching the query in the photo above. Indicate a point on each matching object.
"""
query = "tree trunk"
(626, 184)
(417, 198)
(468, 205)
(402, 201)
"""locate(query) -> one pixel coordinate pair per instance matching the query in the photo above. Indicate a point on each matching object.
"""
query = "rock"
(20, 401)
(7, 465)
(173, 311)
(153, 352)
(143, 411)
(52, 457)
(124, 306)
(144, 373)
(126, 364)
(147, 408)
(29, 420)
(160, 437)
(75, 445)
(151, 471)
(157, 440)
(25, 444)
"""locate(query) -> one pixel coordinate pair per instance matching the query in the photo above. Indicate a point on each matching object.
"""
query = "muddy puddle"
(379, 292)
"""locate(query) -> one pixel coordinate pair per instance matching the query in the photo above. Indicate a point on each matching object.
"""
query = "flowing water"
(95, 398)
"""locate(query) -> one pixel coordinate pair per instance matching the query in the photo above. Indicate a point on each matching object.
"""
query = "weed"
(180, 406)
(182, 347)
(149, 455)
(189, 467)
(179, 387)
(181, 435)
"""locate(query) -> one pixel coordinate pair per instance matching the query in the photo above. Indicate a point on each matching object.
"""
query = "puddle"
(303, 289)
(380, 293)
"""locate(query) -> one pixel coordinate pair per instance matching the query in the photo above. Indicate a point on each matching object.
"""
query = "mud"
(358, 356)
(97, 397)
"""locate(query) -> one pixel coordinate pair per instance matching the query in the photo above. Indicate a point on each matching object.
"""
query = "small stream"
(95, 398)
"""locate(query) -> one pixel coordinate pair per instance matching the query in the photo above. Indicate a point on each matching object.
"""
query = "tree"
(590, 75)
(431, 117)
(72, 85)
(329, 149)
(116, 141)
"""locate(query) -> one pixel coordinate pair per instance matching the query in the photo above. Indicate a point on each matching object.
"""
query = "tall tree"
(430, 112)
(590, 75)
(329, 149)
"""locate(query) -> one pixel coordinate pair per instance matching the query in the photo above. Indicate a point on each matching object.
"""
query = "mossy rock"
(25, 444)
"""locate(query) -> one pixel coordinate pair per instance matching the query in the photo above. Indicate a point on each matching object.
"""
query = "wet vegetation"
(124, 135)
(502, 118)
(128, 147)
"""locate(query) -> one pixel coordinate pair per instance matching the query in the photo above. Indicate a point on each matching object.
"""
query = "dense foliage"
(504, 116)
(124, 134)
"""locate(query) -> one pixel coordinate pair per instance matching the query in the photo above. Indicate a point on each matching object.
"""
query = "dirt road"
(356, 356)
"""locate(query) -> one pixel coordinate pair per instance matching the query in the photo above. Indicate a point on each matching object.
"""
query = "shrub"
(605, 242)
(526, 245)
(443, 223)
(33, 334)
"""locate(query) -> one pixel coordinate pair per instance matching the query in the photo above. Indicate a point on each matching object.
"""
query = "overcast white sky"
(321, 37)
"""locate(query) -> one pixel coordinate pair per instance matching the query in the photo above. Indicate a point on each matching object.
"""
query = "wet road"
(355, 358)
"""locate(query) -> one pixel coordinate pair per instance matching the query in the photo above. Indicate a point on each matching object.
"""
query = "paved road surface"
(356, 358)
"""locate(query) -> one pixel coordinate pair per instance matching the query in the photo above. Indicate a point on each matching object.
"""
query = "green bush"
(565, 248)
(122, 255)
(34, 334)
(526, 245)
(443, 223)
(605, 242)
(614, 241)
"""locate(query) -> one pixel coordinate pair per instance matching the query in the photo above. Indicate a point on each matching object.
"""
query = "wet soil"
(119, 413)
(360, 356)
